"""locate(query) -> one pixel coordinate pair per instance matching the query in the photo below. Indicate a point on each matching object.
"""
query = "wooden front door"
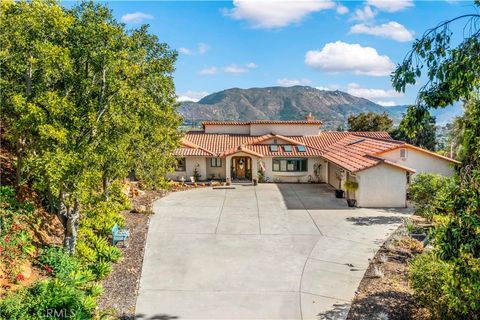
(241, 167)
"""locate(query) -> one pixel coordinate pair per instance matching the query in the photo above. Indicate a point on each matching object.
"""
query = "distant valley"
(291, 103)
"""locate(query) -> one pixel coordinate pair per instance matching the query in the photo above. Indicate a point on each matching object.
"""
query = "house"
(299, 151)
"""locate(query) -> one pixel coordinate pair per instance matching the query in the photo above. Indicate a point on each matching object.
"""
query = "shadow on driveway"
(368, 221)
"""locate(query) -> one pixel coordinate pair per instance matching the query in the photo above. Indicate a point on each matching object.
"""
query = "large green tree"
(370, 121)
(453, 74)
(425, 134)
(85, 101)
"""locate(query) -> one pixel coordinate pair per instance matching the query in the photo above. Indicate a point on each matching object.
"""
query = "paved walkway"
(285, 251)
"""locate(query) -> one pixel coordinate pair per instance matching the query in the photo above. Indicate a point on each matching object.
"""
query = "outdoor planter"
(352, 202)
(339, 193)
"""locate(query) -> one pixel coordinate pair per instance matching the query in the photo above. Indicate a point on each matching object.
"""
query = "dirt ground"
(384, 292)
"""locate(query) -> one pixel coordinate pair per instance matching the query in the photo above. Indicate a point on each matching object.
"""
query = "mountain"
(282, 103)
(442, 115)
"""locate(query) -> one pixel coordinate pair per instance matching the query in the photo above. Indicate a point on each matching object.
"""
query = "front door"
(240, 167)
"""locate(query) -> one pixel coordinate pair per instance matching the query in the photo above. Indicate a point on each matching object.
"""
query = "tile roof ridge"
(359, 134)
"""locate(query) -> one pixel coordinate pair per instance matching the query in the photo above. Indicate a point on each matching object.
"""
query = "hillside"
(292, 103)
(277, 103)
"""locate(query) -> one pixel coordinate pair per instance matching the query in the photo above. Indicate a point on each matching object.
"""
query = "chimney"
(310, 117)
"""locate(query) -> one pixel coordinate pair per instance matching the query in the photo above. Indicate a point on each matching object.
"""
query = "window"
(273, 148)
(290, 165)
(403, 153)
(180, 164)
(301, 148)
(215, 162)
(287, 148)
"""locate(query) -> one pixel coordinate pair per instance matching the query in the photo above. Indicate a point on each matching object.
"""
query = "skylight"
(273, 148)
(301, 148)
(287, 148)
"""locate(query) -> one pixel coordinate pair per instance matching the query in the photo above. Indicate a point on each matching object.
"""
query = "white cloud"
(186, 51)
(234, 69)
(368, 93)
(191, 96)
(208, 71)
(341, 9)
(293, 82)
(364, 14)
(136, 17)
(275, 14)
(324, 88)
(339, 56)
(392, 30)
(202, 48)
(251, 65)
(386, 103)
(390, 5)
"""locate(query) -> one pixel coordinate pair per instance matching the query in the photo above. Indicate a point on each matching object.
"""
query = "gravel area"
(384, 292)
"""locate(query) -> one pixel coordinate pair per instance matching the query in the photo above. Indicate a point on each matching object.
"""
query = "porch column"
(228, 172)
(254, 168)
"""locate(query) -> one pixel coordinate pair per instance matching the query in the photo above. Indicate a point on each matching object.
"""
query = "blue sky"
(346, 45)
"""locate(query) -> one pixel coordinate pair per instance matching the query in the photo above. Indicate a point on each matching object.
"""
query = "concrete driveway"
(274, 251)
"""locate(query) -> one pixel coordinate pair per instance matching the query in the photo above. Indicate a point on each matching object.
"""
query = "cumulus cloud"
(234, 69)
(392, 30)
(339, 56)
(369, 93)
(136, 17)
(341, 9)
(293, 82)
(364, 14)
(386, 103)
(191, 96)
(208, 71)
(202, 48)
(390, 5)
(275, 14)
(251, 65)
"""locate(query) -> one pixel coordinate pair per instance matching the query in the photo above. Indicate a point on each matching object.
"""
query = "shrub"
(428, 277)
(430, 194)
(56, 259)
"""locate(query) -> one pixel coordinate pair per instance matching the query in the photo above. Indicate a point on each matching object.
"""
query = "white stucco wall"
(274, 176)
(190, 163)
(332, 178)
(284, 129)
(219, 172)
(234, 129)
(381, 186)
(421, 162)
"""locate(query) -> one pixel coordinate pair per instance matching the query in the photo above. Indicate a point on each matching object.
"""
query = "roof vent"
(310, 117)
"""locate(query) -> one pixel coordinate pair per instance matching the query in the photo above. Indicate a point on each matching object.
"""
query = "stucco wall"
(421, 162)
(274, 176)
(381, 186)
(219, 172)
(332, 178)
(234, 129)
(190, 163)
(284, 129)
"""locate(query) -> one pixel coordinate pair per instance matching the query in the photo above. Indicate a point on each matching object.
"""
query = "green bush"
(430, 193)
(428, 276)
(57, 261)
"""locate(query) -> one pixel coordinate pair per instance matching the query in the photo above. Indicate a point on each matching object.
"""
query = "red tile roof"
(353, 151)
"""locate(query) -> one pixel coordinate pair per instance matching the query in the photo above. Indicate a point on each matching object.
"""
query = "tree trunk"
(106, 186)
(19, 152)
(69, 218)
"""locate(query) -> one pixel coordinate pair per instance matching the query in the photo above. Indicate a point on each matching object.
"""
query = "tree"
(370, 121)
(425, 134)
(453, 74)
(87, 100)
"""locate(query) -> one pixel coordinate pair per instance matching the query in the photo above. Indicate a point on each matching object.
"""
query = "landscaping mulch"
(384, 292)
(121, 286)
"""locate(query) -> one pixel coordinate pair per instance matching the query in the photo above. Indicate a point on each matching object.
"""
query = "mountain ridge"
(282, 103)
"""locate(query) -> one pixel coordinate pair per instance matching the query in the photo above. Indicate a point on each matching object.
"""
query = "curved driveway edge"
(274, 251)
